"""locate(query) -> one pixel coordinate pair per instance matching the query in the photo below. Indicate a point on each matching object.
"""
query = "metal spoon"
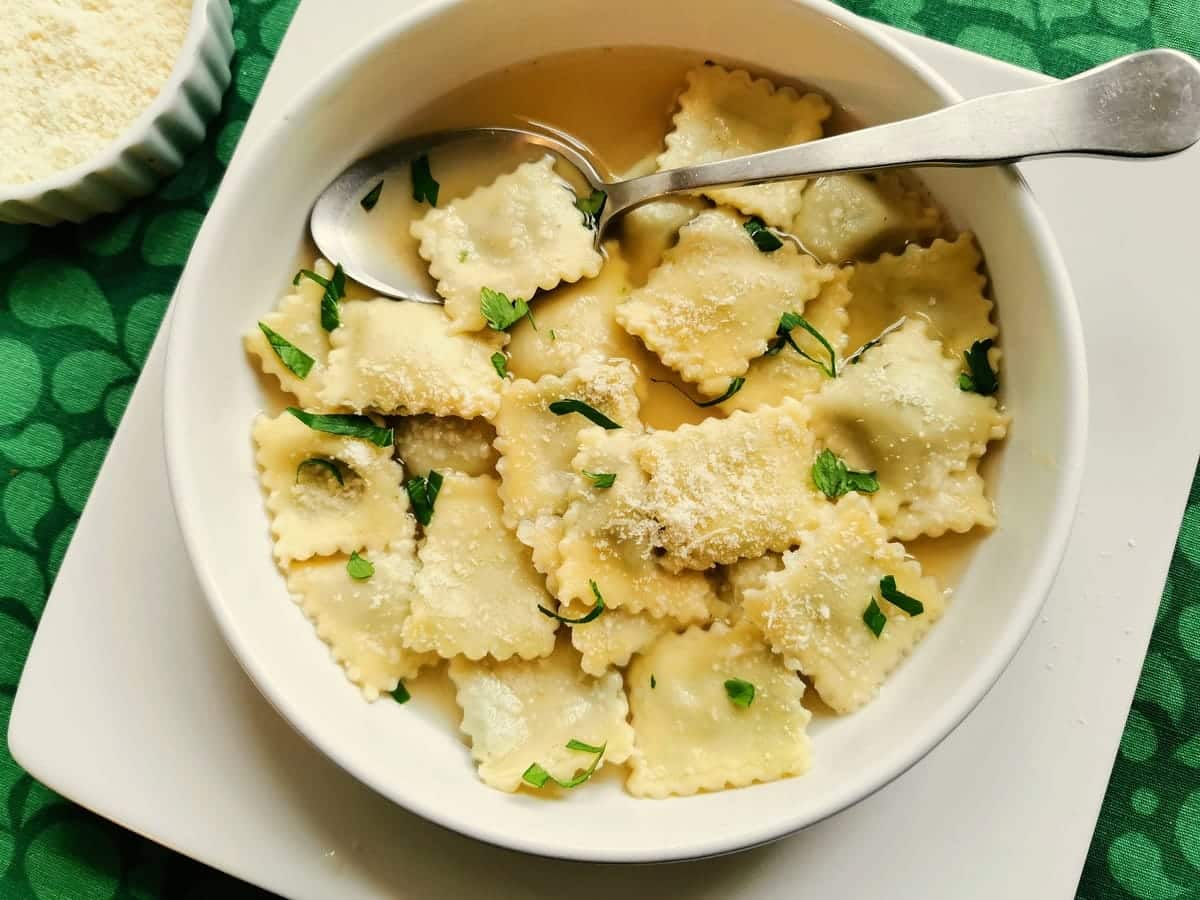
(1139, 106)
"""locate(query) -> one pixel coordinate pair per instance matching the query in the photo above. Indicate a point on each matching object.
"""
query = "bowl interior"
(413, 754)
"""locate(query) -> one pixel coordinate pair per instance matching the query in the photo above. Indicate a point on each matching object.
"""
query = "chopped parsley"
(735, 385)
(423, 493)
(401, 694)
(368, 202)
(874, 618)
(832, 478)
(568, 406)
(424, 185)
(740, 693)
(359, 567)
(335, 290)
(500, 364)
(764, 238)
(297, 361)
(653, 681)
(590, 615)
(553, 336)
(500, 312)
(591, 206)
(783, 337)
(346, 426)
(537, 776)
(317, 462)
(856, 357)
(980, 377)
(896, 597)
(462, 255)
(601, 479)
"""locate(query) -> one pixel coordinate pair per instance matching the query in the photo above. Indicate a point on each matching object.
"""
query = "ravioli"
(446, 444)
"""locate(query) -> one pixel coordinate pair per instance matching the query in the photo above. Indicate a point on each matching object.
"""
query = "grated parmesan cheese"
(75, 74)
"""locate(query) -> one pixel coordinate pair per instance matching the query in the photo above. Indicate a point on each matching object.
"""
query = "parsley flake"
(856, 357)
(423, 493)
(832, 478)
(790, 321)
(980, 378)
(601, 480)
(368, 202)
(590, 615)
(359, 567)
(764, 238)
(335, 290)
(297, 361)
(735, 385)
(896, 597)
(401, 694)
(536, 776)
(346, 426)
(591, 206)
(317, 462)
(874, 618)
(500, 364)
(740, 693)
(653, 681)
(500, 312)
(565, 407)
(425, 186)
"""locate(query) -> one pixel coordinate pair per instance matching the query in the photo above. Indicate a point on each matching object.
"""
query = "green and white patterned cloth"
(79, 308)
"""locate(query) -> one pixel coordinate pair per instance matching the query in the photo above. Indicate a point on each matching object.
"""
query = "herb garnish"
(653, 681)
(368, 202)
(500, 364)
(424, 185)
(593, 613)
(764, 238)
(327, 464)
(741, 693)
(601, 480)
(591, 206)
(832, 478)
(423, 493)
(565, 407)
(856, 357)
(335, 290)
(981, 378)
(735, 385)
(537, 776)
(500, 312)
(401, 694)
(896, 597)
(360, 568)
(346, 426)
(297, 361)
(874, 618)
(783, 337)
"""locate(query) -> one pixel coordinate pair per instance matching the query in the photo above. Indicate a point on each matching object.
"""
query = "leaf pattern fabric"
(79, 308)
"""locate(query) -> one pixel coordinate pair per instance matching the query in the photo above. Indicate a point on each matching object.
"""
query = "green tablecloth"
(79, 307)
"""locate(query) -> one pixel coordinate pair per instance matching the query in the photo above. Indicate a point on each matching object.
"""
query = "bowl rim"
(751, 834)
(199, 24)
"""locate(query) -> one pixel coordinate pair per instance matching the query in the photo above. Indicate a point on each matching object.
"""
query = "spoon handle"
(1142, 105)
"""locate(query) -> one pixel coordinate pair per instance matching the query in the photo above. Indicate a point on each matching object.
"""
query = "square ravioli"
(610, 538)
(517, 235)
(901, 413)
(362, 620)
(328, 494)
(731, 488)
(297, 319)
(446, 444)
(691, 736)
(771, 378)
(940, 285)
(575, 323)
(716, 300)
(402, 358)
(812, 610)
(477, 591)
(723, 114)
(521, 712)
(536, 445)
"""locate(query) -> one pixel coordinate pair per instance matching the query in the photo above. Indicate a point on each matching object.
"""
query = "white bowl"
(411, 754)
(153, 147)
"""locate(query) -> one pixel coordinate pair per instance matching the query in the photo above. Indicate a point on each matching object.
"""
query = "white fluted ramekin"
(153, 147)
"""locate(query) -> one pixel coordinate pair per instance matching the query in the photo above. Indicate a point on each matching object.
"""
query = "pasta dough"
(446, 444)
(690, 736)
(520, 712)
(520, 233)
(811, 611)
(723, 114)
(716, 300)
(477, 590)
(312, 513)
